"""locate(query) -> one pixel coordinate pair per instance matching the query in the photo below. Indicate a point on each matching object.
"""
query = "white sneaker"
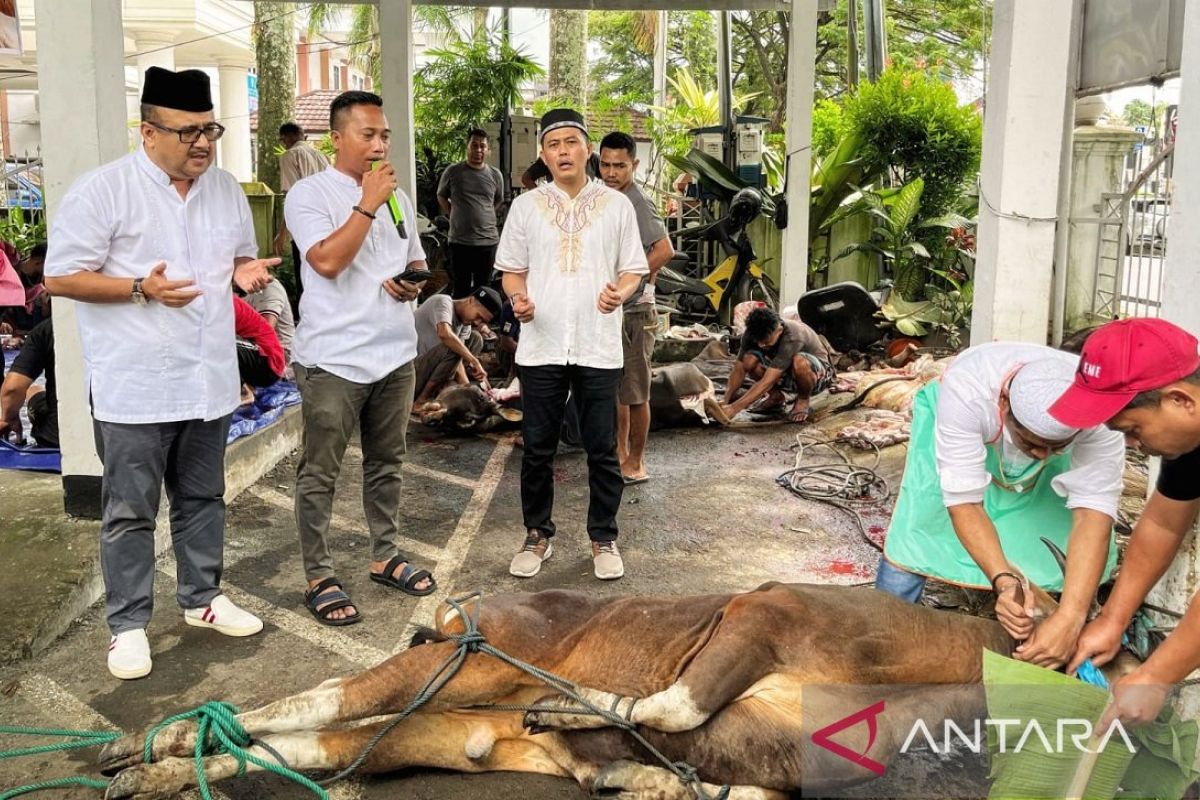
(129, 655)
(224, 617)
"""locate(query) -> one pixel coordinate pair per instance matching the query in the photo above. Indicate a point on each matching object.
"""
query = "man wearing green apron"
(989, 473)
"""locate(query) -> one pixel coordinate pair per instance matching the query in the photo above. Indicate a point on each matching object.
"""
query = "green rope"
(219, 721)
(57, 783)
(219, 733)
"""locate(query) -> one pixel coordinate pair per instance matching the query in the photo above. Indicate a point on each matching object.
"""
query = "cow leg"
(460, 742)
(381, 690)
(625, 780)
(738, 654)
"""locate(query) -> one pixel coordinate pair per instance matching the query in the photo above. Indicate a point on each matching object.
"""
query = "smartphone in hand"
(413, 276)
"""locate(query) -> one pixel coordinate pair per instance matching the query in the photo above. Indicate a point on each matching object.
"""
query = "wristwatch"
(137, 295)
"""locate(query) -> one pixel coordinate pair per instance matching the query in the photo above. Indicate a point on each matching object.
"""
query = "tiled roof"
(312, 111)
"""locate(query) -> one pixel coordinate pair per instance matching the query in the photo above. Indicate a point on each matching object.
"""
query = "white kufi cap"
(1034, 389)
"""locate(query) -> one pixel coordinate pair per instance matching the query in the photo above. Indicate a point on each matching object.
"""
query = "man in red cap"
(1142, 377)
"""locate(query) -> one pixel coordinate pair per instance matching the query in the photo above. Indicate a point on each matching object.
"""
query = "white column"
(793, 273)
(81, 78)
(1182, 270)
(396, 44)
(1026, 137)
(156, 49)
(234, 114)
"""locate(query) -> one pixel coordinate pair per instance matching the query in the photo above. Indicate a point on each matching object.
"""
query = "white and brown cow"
(721, 682)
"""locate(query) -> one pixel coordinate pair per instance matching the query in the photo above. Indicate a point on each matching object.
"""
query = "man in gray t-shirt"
(469, 193)
(441, 354)
(618, 163)
(779, 355)
(272, 302)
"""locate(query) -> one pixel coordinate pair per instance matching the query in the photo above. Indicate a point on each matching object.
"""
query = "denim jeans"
(899, 582)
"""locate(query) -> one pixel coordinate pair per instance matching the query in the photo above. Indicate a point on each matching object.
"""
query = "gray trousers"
(331, 406)
(437, 364)
(189, 457)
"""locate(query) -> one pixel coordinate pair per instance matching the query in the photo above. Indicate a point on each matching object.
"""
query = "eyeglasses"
(191, 134)
(1023, 434)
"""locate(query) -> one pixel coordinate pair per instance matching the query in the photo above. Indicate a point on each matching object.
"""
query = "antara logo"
(1091, 370)
(1078, 735)
(868, 715)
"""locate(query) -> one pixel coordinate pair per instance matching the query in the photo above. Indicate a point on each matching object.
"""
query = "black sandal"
(410, 576)
(322, 605)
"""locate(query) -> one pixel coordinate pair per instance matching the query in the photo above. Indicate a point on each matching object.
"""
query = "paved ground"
(712, 519)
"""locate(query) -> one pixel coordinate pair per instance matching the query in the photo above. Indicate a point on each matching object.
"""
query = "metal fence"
(22, 184)
(1133, 237)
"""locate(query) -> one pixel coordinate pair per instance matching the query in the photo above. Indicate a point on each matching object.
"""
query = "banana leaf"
(834, 178)
(1161, 767)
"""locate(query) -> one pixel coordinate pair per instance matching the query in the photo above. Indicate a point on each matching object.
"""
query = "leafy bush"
(828, 127)
(913, 124)
(22, 228)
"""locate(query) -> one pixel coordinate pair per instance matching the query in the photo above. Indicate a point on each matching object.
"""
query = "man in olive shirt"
(780, 355)
(1142, 377)
(469, 193)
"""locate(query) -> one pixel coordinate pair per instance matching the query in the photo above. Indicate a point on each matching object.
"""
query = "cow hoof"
(120, 754)
(177, 739)
(626, 780)
(131, 784)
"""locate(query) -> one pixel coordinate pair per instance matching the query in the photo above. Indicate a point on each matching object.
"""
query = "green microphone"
(393, 205)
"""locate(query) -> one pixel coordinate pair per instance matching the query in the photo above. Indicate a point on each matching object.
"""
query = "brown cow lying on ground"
(721, 681)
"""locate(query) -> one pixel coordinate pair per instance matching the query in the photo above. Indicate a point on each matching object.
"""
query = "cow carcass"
(468, 409)
(682, 396)
(732, 684)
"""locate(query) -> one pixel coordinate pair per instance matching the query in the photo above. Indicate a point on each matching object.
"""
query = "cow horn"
(1061, 558)
(1059, 555)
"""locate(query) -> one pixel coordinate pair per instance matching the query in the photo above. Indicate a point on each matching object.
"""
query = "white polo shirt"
(349, 325)
(153, 363)
(571, 249)
(968, 417)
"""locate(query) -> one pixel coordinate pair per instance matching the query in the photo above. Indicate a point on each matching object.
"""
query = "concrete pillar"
(396, 44)
(1026, 134)
(793, 272)
(1097, 168)
(1182, 272)
(234, 114)
(156, 48)
(81, 78)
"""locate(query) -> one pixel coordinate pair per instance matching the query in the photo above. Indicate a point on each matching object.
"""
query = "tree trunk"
(275, 51)
(568, 56)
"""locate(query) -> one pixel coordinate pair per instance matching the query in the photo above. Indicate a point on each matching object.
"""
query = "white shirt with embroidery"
(349, 325)
(570, 249)
(968, 417)
(151, 363)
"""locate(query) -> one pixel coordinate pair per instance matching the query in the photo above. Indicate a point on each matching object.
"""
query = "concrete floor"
(712, 519)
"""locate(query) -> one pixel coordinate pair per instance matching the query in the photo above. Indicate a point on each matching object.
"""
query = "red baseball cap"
(1121, 360)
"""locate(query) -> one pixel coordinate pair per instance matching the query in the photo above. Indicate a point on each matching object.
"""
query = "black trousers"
(253, 367)
(470, 267)
(544, 398)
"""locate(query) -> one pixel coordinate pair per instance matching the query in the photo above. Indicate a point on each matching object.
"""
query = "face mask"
(1014, 462)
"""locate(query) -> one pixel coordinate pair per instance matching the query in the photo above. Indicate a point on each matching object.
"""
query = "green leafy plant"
(892, 239)
(911, 124)
(22, 229)
(466, 83)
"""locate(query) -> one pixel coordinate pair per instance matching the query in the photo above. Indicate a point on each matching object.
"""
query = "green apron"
(921, 538)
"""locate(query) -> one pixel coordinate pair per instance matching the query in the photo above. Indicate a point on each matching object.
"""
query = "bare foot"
(341, 613)
(377, 567)
(799, 411)
(633, 471)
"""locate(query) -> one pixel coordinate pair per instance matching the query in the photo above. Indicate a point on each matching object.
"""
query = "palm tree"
(568, 57)
(363, 42)
(275, 54)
